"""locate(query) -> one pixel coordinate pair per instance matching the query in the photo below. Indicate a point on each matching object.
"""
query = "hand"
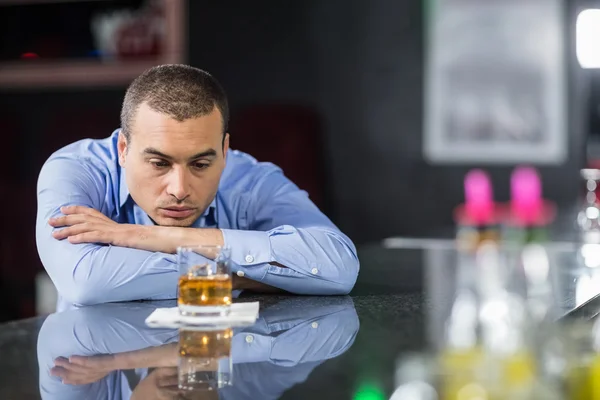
(85, 225)
(79, 370)
(161, 384)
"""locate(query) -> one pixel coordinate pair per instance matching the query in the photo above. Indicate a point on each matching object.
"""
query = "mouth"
(177, 212)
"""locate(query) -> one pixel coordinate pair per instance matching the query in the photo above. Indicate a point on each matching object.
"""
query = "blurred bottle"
(477, 219)
(462, 357)
(548, 345)
(588, 216)
(579, 373)
(529, 215)
(415, 378)
(509, 362)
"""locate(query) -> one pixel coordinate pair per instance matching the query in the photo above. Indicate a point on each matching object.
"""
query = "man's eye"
(201, 165)
(159, 164)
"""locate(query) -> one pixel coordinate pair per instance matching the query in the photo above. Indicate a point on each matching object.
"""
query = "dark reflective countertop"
(301, 347)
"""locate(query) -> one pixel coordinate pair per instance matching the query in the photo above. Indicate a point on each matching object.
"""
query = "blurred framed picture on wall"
(495, 87)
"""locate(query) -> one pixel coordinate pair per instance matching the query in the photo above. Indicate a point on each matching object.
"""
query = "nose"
(178, 184)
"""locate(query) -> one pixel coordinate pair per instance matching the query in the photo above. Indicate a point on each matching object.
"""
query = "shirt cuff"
(248, 249)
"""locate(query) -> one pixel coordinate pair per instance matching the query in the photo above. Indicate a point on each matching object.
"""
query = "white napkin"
(240, 314)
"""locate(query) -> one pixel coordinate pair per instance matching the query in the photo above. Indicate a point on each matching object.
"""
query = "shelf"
(88, 73)
(85, 73)
(22, 2)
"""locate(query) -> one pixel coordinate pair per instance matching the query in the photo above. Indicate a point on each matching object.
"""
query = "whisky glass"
(204, 287)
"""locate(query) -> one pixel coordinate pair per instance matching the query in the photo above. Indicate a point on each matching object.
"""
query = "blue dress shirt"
(264, 218)
(290, 340)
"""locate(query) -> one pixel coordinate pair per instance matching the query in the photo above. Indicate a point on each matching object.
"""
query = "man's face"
(173, 168)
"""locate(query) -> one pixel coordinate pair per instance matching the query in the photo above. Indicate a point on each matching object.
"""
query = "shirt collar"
(124, 196)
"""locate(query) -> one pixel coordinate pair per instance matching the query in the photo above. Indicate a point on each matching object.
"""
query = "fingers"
(59, 372)
(68, 210)
(167, 377)
(73, 230)
(83, 233)
(90, 237)
(66, 373)
(79, 360)
(65, 364)
(68, 220)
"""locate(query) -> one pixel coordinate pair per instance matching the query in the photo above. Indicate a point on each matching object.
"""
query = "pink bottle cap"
(527, 204)
(479, 202)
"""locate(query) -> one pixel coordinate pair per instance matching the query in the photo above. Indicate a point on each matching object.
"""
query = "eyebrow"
(206, 153)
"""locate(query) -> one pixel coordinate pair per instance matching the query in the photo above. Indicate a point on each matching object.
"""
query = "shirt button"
(315, 325)
(249, 258)
(241, 274)
(314, 271)
(249, 339)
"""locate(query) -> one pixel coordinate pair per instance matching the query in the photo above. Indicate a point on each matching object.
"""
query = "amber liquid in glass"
(215, 344)
(202, 355)
(204, 294)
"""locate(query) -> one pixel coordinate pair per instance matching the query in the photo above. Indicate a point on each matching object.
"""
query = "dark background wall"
(358, 64)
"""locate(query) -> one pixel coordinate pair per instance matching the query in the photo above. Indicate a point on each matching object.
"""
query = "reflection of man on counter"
(104, 351)
(112, 212)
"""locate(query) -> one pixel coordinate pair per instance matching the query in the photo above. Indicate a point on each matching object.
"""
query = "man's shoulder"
(92, 154)
(243, 171)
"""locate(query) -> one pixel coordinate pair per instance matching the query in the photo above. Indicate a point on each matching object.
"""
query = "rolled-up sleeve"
(288, 229)
(89, 273)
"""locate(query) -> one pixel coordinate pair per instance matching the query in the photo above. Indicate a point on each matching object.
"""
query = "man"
(112, 212)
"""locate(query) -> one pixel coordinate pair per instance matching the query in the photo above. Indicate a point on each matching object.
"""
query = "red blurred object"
(143, 35)
(594, 164)
(289, 136)
(29, 55)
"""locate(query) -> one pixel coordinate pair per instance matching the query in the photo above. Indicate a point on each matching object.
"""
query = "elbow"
(348, 266)
(347, 274)
(343, 260)
(81, 295)
(71, 284)
(349, 278)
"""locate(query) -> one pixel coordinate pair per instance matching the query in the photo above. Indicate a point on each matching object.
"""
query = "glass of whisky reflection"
(205, 280)
(204, 358)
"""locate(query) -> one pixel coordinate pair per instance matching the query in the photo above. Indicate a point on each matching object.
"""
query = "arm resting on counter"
(291, 244)
(89, 273)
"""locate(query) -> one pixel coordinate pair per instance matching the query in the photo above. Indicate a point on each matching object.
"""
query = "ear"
(122, 148)
(225, 146)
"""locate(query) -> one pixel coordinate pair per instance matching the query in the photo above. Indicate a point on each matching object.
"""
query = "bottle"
(477, 218)
(414, 378)
(509, 367)
(548, 344)
(588, 217)
(530, 215)
(461, 357)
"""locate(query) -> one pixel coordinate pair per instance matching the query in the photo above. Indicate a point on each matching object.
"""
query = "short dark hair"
(179, 91)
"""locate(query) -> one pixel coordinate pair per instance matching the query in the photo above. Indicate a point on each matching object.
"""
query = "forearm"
(167, 239)
(174, 237)
(304, 261)
(159, 356)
